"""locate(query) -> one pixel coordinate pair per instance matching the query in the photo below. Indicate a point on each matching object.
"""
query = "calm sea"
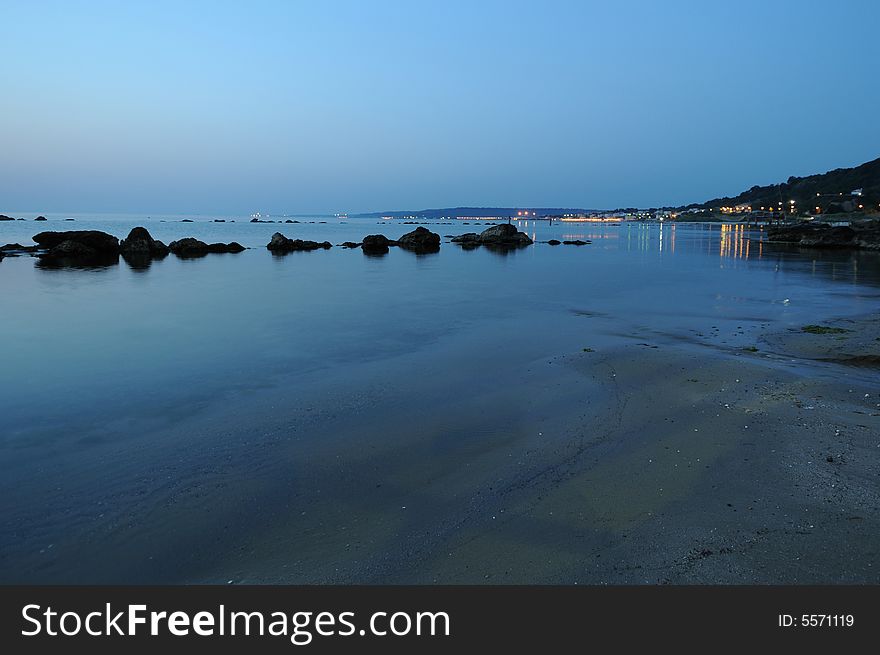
(249, 416)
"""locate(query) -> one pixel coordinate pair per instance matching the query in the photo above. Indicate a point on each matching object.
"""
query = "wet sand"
(709, 467)
(649, 461)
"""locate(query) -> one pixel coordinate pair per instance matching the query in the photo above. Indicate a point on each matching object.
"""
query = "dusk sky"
(233, 107)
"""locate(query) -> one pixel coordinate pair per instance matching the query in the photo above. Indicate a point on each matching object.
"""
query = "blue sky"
(289, 106)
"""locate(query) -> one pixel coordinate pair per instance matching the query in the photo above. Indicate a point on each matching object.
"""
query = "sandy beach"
(708, 466)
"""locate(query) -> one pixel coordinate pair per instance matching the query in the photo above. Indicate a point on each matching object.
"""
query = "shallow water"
(254, 417)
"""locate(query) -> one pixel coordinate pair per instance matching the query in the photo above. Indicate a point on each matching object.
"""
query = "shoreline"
(681, 463)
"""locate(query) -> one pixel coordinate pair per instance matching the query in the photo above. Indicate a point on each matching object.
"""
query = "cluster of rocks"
(572, 242)
(420, 240)
(139, 248)
(280, 244)
(497, 236)
(190, 247)
(858, 234)
(95, 248)
(4, 217)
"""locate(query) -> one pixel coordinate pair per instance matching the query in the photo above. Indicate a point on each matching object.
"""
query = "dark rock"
(420, 240)
(40, 218)
(219, 220)
(140, 244)
(376, 244)
(350, 244)
(281, 244)
(99, 242)
(576, 242)
(186, 220)
(231, 247)
(77, 254)
(4, 217)
(69, 219)
(73, 249)
(858, 235)
(497, 236)
(554, 242)
(16, 249)
(504, 234)
(190, 247)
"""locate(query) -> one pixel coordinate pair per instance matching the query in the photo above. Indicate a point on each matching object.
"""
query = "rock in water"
(376, 244)
(17, 249)
(497, 236)
(100, 242)
(40, 218)
(280, 244)
(190, 247)
(504, 235)
(858, 235)
(420, 240)
(140, 244)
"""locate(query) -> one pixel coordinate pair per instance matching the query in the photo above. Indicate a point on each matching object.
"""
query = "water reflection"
(97, 262)
(735, 242)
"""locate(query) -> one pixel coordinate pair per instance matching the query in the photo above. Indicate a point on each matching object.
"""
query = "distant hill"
(834, 190)
(473, 212)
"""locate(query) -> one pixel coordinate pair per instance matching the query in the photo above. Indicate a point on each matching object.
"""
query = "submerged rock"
(40, 218)
(15, 249)
(858, 235)
(281, 244)
(554, 242)
(420, 240)
(576, 242)
(350, 244)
